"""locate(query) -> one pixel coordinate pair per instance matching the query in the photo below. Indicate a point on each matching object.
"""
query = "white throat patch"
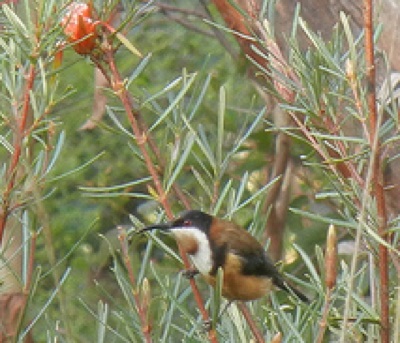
(202, 258)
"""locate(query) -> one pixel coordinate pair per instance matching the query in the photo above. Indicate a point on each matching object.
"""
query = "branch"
(170, 12)
(253, 327)
(141, 136)
(11, 175)
(377, 172)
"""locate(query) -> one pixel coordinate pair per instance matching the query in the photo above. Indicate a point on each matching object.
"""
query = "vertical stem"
(377, 172)
(142, 140)
(370, 60)
(253, 327)
(19, 135)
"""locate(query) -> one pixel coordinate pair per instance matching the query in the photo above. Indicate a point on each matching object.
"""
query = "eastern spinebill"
(211, 242)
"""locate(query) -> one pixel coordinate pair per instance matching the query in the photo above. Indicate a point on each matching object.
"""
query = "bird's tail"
(290, 289)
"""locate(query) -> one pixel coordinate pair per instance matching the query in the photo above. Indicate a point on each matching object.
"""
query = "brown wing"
(230, 238)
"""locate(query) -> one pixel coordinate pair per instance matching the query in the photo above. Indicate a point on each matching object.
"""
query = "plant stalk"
(377, 172)
(142, 141)
(21, 121)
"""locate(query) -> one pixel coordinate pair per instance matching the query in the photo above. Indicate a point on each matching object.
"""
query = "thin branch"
(218, 34)
(186, 11)
(377, 171)
(141, 137)
(275, 224)
(370, 61)
(170, 11)
(143, 128)
(188, 25)
(118, 87)
(253, 327)
(324, 320)
(22, 119)
(244, 36)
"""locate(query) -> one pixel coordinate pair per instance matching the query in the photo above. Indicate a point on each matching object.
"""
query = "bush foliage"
(276, 143)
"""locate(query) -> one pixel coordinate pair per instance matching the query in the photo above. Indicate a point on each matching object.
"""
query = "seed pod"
(277, 338)
(331, 258)
(146, 294)
(349, 68)
(145, 304)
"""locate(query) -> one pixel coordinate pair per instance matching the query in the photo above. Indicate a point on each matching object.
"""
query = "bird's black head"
(193, 219)
(188, 219)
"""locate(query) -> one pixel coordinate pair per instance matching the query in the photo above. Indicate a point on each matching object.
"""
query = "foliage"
(78, 197)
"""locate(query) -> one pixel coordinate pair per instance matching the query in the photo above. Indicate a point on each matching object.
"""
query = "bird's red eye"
(187, 223)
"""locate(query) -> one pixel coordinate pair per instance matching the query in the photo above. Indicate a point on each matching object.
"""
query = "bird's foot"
(207, 325)
(190, 273)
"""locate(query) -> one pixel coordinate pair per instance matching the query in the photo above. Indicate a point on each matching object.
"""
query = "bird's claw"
(207, 325)
(190, 273)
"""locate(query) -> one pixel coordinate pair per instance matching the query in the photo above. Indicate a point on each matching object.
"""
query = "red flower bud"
(80, 27)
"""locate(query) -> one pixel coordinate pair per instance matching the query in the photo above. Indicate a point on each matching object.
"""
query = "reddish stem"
(370, 60)
(142, 142)
(141, 139)
(377, 172)
(253, 327)
(323, 324)
(18, 138)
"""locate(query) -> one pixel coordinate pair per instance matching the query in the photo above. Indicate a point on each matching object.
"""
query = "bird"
(213, 243)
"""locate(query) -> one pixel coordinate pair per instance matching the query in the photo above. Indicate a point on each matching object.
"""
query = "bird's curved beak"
(163, 227)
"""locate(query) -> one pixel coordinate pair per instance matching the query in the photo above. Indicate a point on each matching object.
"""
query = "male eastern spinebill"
(212, 243)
